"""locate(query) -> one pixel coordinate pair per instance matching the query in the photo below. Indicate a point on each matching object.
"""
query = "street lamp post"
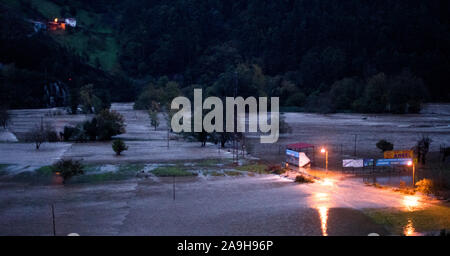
(411, 163)
(323, 150)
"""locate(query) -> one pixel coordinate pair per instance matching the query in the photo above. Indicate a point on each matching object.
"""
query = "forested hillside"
(351, 55)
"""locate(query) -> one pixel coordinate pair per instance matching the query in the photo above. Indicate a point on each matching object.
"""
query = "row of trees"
(102, 127)
(244, 80)
(305, 46)
(316, 56)
(380, 93)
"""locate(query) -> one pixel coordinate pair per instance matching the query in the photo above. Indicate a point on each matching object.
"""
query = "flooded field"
(338, 132)
(145, 143)
(259, 205)
(219, 199)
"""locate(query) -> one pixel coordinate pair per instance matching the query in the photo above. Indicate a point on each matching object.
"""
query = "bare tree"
(39, 134)
(168, 117)
(154, 121)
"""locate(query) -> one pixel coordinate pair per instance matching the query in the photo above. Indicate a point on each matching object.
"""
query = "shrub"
(119, 146)
(425, 186)
(68, 132)
(384, 145)
(90, 129)
(303, 179)
(276, 169)
(68, 168)
(52, 136)
(109, 123)
(102, 127)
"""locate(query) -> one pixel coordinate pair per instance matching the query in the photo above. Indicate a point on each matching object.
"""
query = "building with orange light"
(61, 24)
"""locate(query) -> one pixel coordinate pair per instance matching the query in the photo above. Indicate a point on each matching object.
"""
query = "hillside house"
(56, 24)
(61, 24)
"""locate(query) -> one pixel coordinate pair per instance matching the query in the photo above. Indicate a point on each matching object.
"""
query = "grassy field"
(254, 167)
(400, 222)
(169, 171)
(41, 175)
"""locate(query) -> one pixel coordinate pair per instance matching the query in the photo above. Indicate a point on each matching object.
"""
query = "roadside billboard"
(392, 162)
(357, 163)
(353, 163)
(368, 162)
(297, 158)
(398, 154)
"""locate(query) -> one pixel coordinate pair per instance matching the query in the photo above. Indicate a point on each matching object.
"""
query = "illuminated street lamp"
(324, 151)
(411, 163)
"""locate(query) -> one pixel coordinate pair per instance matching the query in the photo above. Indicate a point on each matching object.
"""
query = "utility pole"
(235, 142)
(173, 188)
(53, 220)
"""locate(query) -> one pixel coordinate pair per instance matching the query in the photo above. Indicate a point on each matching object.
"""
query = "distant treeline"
(327, 56)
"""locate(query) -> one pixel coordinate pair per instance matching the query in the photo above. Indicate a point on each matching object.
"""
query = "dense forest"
(326, 56)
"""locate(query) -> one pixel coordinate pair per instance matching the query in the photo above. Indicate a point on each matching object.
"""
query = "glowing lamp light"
(410, 163)
(56, 20)
(323, 150)
(411, 202)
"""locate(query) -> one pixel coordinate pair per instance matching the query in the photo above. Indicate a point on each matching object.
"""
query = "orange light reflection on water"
(409, 229)
(322, 207)
(323, 213)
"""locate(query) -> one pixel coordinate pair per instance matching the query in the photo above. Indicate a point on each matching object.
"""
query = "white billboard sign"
(353, 162)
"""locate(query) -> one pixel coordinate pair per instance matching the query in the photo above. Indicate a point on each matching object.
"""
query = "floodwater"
(259, 205)
(345, 134)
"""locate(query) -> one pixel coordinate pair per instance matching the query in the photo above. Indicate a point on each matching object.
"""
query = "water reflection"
(409, 229)
(411, 203)
(322, 207)
(327, 182)
(323, 213)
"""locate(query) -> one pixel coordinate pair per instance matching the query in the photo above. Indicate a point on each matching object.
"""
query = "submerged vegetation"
(303, 179)
(68, 168)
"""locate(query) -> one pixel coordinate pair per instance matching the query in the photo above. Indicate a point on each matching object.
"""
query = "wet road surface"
(261, 205)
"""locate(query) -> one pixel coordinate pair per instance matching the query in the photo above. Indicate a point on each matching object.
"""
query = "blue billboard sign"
(394, 161)
(368, 162)
(292, 153)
